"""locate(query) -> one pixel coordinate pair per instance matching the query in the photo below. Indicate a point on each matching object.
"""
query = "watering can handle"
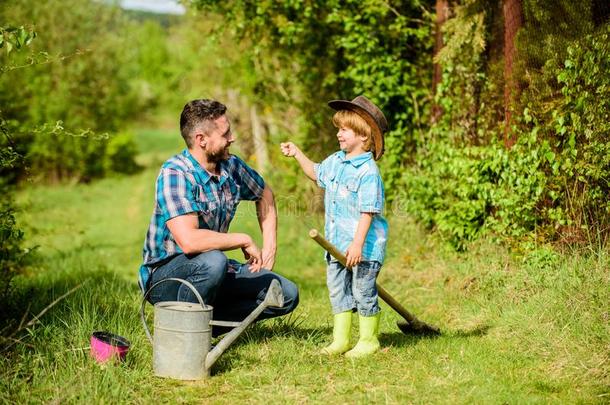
(186, 283)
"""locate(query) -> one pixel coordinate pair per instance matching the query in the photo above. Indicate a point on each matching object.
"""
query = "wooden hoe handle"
(334, 252)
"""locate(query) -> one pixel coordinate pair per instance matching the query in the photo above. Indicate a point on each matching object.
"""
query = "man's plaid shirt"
(183, 186)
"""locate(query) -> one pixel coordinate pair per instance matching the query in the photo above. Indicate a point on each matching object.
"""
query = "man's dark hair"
(199, 112)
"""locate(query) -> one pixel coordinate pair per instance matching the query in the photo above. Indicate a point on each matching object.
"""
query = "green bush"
(454, 174)
(11, 253)
(79, 86)
(465, 191)
(577, 130)
(11, 237)
(554, 181)
(120, 152)
(56, 154)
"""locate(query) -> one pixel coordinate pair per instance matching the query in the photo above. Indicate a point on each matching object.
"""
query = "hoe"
(410, 324)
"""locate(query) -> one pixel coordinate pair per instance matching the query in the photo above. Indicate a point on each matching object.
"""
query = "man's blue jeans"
(233, 295)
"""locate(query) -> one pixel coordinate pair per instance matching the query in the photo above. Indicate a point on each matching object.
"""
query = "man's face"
(217, 141)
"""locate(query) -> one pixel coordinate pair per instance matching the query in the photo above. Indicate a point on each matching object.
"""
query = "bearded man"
(197, 194)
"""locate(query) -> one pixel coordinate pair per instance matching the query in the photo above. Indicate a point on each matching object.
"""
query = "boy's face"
(350, 142)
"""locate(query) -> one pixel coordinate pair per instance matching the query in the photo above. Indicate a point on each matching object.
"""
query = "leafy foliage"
(323, 50)
(11, 237)
(11, 252)
(576, 134)
(288, 58)
(465, 191)
(119, 154)
(15, 38)
(454, 174)
(77, 81)
(554, 181)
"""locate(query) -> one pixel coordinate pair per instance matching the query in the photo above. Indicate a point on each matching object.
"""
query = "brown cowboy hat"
(371, 114)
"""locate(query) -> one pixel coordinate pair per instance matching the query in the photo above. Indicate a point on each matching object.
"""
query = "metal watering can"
(183, 333)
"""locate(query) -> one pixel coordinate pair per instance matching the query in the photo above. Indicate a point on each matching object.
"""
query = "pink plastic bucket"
(106, 346)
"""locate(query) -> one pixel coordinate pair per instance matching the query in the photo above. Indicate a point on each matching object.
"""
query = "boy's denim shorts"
(355, 289)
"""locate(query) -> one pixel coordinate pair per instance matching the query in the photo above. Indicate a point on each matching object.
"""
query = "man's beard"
(218, 156)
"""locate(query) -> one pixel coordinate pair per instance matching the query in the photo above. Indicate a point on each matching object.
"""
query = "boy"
(353, 202)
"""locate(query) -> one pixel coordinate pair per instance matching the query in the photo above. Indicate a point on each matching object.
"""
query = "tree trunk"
(442, 13)
(513, 20)
(601, 12)
(260, 146)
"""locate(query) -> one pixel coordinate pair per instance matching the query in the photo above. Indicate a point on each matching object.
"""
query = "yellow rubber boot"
(342, 328)
(368, 342)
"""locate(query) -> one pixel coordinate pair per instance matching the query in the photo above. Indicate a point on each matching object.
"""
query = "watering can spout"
(273, 298)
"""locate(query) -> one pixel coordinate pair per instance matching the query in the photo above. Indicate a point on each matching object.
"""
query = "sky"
(155, 6)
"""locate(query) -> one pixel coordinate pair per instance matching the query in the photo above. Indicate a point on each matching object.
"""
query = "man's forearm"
(193, 240)
(204, 240)
(267, 218)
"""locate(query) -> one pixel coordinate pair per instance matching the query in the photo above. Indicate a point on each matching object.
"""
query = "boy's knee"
(367, 304)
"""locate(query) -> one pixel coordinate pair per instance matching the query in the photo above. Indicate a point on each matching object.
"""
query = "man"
(197, 194)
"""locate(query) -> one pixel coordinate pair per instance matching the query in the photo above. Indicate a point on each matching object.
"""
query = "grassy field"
(517, 328)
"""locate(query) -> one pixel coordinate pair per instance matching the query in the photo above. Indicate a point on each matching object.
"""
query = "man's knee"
(212, 264)
(291, 295)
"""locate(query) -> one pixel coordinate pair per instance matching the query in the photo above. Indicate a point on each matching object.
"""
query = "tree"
(442, 13)
(308, 52)
(513, 21)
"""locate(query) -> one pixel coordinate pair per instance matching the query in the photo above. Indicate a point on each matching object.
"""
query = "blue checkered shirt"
(352, 187)
(183, 186)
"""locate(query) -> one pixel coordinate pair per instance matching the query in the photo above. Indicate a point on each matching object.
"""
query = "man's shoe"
(341, 333)
(368, 342)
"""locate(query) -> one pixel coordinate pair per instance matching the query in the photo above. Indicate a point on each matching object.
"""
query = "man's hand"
(289, 149)
(268, 257)
(353, 254)
(253, 255)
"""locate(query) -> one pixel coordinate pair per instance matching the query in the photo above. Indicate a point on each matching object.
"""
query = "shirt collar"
(204, 174)
(356, 161)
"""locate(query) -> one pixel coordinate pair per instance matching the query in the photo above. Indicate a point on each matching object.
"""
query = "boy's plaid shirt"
(183, 186)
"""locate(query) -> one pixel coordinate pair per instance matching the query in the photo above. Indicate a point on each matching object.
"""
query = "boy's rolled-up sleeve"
(370, 194)
(174, 194)
(321, 171)
(251, 184)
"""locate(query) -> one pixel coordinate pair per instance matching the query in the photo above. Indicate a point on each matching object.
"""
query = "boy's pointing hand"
(289, 149)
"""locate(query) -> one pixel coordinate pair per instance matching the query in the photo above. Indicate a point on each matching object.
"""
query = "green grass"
(516, 329)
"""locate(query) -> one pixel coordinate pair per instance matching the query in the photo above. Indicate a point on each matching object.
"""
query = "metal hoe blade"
(275, 296)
